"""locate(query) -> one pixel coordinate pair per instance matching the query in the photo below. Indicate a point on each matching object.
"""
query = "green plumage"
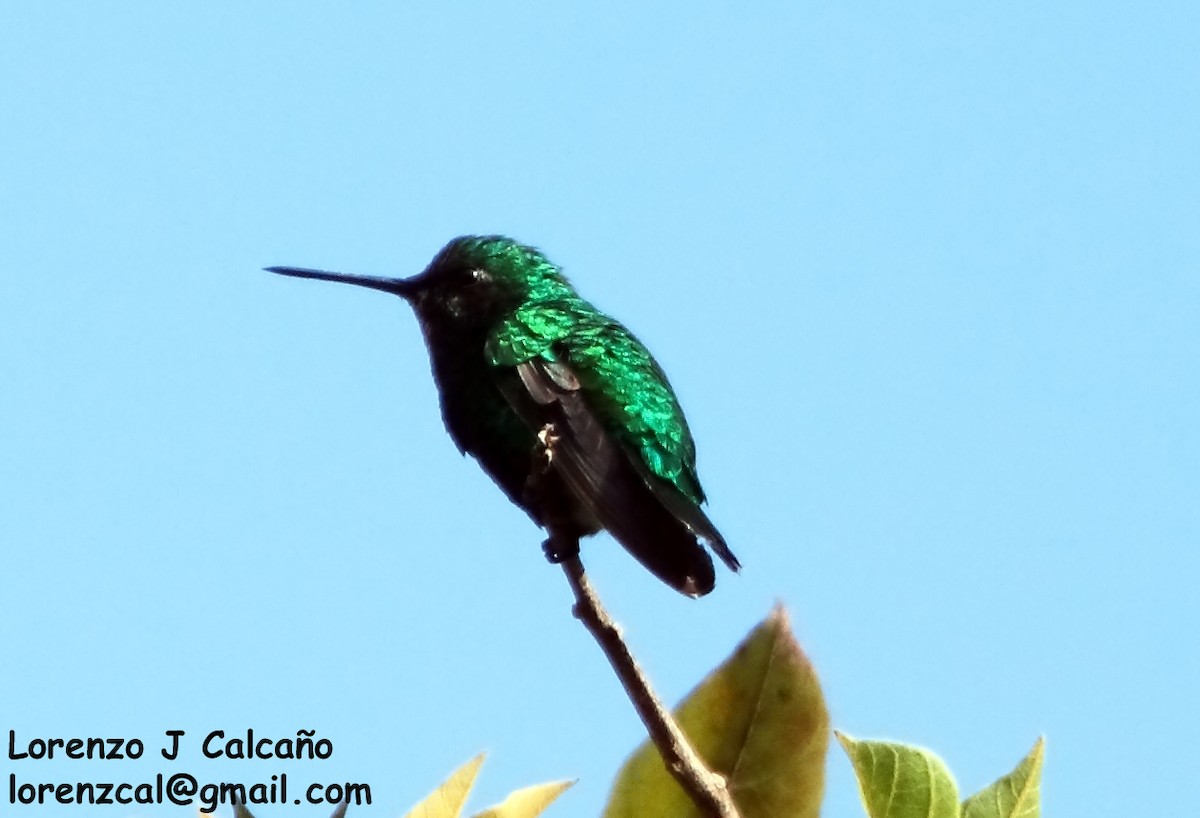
(563, 407)
(626, 388)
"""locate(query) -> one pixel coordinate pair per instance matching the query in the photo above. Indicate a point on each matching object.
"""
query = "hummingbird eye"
(480, 276)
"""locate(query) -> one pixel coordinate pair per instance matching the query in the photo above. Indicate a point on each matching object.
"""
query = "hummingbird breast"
(483, 424)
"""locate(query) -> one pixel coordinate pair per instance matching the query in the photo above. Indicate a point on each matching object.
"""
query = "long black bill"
(397, 286)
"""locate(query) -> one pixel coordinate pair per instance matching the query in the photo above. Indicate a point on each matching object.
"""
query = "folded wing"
(655, 523)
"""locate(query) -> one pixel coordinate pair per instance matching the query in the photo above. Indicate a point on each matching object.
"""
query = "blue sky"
(926, 278)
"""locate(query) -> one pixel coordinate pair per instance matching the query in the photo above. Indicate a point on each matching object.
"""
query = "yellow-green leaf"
(759, 720)
(448, 799)
(528, 802)
(1016, 795)
(899, 781)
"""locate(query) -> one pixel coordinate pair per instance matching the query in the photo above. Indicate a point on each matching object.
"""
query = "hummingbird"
(560, 404)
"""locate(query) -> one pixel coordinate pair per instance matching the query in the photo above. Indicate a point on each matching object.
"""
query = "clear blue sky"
(927, 280)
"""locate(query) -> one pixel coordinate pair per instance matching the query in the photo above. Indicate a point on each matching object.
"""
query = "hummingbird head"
(472, 282)
(480, 279)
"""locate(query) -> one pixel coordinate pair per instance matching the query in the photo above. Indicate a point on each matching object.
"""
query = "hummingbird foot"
(558, 547)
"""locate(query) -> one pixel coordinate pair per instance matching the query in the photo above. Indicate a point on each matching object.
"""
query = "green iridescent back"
(626, 388)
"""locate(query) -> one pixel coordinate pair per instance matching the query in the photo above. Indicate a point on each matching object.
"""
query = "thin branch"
(705, 787)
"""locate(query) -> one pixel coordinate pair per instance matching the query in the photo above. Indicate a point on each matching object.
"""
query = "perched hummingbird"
(561, 405)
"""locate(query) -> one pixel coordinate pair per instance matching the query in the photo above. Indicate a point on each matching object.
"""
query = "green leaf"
(448, 799)
(528, 802)
(1016, 795)
(759, 720)
(899, 781)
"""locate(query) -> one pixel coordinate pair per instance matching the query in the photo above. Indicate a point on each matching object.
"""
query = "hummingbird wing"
(603, 477)
(623, 445)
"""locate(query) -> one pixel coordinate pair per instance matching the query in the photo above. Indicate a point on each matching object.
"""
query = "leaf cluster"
(760, 721)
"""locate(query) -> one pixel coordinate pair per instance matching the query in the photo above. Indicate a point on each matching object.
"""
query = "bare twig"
(705, 787)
